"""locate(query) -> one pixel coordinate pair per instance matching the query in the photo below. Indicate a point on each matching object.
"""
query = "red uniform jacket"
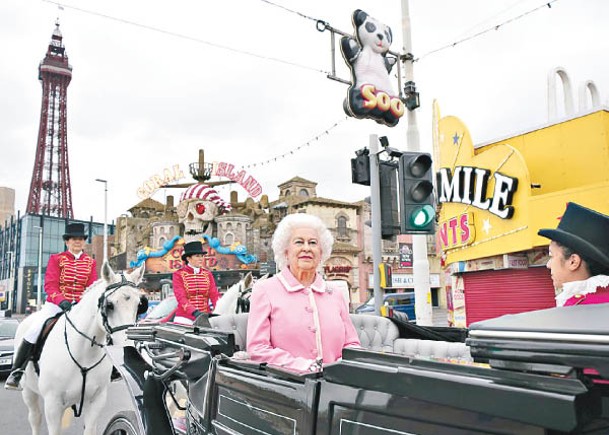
(194, 291)
(600, 296)
(67, 278)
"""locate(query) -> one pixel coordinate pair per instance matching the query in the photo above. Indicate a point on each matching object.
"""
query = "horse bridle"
(243, 304)
(102, 304)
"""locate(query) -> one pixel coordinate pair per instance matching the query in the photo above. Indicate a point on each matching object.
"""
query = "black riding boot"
(20, 360)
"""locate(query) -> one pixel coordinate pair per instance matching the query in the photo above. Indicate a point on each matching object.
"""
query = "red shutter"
(493, 293)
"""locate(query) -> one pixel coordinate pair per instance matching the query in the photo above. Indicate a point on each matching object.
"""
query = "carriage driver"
(67, 276)
(193, 285)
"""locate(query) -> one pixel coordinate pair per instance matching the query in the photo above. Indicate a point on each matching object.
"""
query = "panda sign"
(371, 94)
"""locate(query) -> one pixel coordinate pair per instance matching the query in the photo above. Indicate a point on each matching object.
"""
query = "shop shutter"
(493, 293)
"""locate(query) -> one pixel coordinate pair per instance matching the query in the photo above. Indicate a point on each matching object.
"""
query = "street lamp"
(105, 217)
(39, 289)
(11, 279)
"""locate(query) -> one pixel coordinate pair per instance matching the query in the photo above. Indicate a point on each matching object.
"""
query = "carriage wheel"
(123, 423)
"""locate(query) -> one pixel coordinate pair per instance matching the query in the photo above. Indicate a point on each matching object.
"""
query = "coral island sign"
(227, 170)
(219, 169)
(152, 184)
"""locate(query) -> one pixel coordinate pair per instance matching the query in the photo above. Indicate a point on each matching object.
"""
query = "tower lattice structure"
(50, 191)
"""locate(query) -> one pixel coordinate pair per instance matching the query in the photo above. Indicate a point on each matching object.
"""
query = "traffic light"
(386, 277)
(360, 167)
(418, 210)
(390, 217)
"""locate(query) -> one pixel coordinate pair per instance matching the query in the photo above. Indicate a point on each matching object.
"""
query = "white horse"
(74, 369)
(236, 298)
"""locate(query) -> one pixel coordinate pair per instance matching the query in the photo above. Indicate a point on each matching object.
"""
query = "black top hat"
(192, 248)
(583, 230)
(75, 230)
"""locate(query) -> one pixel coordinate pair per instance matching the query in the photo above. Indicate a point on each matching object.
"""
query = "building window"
(303, 192)
(341, 225)
(228, 239)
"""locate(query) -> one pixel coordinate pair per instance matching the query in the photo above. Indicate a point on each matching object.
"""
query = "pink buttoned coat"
(281, 328)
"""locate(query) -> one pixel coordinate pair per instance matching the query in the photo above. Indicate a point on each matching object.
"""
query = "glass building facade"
(21, 255)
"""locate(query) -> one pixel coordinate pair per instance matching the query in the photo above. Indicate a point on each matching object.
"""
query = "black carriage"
(544, 372)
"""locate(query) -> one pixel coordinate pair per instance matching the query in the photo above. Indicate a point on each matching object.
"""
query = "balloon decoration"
(236, 249)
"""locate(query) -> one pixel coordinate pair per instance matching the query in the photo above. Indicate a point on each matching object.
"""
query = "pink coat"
(281, 328)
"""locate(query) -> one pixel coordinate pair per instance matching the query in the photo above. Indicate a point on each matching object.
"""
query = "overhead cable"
(495, 27)
(282, 61)
(189, 38)
(298, 148)
(482, 32)
(290, 10)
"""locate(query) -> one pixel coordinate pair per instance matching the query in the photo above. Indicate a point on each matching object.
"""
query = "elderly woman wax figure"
(67, 276)
(296, 320)
(193, 285)
(579, 256)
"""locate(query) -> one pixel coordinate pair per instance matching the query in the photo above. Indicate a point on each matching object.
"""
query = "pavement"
(439, 316)
(19, 317)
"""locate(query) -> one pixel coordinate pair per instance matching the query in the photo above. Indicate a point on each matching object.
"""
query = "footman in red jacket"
(68, 275)
(579, 256)
(193, 286)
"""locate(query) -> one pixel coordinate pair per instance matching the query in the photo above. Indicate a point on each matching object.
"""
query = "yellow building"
(494, 198)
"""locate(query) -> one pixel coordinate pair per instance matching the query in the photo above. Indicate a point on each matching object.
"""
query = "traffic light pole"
(420, 266)
(375, 206)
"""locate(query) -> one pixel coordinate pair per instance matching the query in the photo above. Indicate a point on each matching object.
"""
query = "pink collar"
(291, 284)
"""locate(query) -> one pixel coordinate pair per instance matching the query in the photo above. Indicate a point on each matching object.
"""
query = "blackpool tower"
(50, 191)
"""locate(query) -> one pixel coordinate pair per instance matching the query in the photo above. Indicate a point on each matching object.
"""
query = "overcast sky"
(142, 100)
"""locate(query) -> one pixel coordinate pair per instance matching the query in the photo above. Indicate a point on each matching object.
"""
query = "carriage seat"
(417, 348)
(375, 333)
(235, 323)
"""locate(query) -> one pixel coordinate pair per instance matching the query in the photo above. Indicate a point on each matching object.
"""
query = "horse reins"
(243, 304)
(102, 305)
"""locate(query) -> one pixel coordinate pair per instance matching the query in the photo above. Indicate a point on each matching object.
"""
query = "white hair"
(283, 233)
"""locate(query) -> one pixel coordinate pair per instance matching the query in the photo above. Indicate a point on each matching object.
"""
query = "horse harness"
(243, 300)
(102, 305)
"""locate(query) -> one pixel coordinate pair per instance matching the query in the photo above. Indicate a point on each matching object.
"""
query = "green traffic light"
(422, 216)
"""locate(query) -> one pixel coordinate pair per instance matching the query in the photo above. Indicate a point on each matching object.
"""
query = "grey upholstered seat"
(432, 349)
(375, 332)
(235, 323)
